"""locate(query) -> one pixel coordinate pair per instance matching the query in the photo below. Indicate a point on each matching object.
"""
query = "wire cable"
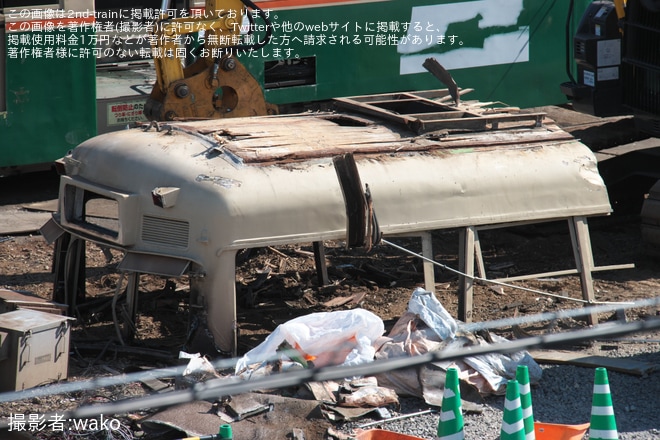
(216, 388)
(499, 283)
(233, 385)
(229, 363)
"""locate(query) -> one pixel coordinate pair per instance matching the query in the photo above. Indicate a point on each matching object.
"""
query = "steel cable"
(499, 283)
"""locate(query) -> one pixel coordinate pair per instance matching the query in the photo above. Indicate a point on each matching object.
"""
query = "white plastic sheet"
(343, 337)
(199, 369)
(424, 304)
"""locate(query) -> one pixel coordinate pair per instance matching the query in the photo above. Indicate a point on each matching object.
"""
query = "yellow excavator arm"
(216, 84)
(620, 7)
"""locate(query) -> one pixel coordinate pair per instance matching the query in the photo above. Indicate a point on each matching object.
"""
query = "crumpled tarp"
(426, 327)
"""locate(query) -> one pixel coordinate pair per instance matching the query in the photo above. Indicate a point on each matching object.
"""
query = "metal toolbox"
(34, 349)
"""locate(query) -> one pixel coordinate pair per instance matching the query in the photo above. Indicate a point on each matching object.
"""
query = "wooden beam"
(466, 241)
(584, 261)
(429, 270)
(319, 261)
(622, 365)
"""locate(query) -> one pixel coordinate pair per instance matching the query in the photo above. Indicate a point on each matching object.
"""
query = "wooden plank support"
(482, 120)
(375, 111)
(559, 273)
(427, 94)
(582, 253)
(466, 242)
(319, 261)
(622, 365)
(481, 267)
(429, 270)
(427, 252)
(584, 260)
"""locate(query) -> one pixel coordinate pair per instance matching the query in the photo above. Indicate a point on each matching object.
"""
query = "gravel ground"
(562, 396)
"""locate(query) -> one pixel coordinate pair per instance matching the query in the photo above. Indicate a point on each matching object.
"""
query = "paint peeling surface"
(286, 189)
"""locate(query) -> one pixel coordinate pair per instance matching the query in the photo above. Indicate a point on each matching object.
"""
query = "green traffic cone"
(225, 432)
(513, 427)
(450, 426)
(603, 423)
(522, 376)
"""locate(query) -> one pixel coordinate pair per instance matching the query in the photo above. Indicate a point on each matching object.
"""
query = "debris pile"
(355, 337)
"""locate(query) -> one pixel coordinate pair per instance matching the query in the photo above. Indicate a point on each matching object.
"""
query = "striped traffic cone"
(450, 426)
(522, 376)
(513, 427)
(603, 423)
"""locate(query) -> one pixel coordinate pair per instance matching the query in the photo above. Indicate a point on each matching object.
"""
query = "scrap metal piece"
(247, 408)
(356, 203)
(433, 66)
(362, 226)
(51, 231)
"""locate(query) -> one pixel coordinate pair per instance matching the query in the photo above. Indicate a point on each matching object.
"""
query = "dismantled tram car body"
(186, 196)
